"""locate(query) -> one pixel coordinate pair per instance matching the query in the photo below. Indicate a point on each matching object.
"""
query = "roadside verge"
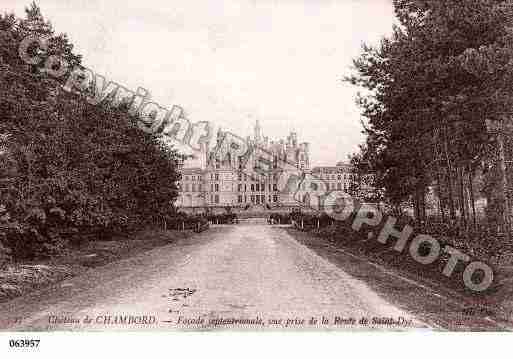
(17, 279)
(435, 303)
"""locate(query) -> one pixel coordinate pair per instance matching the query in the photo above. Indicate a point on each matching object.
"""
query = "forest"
(69, 168)
(436, 106)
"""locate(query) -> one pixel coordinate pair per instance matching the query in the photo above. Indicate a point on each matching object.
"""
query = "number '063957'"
(24, 343)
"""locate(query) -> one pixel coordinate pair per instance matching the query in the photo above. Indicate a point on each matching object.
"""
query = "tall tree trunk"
(441, 202)
(416, 207)
(438, 163)
(423, 214)
(471, 192)
(503, 183)
(462, 198)
(449, 177)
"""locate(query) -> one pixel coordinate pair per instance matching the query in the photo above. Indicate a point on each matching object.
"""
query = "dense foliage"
(183, 221)
(432, 89)
(69, 167)
(342, 235)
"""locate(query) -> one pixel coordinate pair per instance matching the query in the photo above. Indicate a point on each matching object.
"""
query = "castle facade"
(227, 182)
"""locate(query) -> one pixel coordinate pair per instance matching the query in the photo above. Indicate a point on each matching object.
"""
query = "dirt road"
(250, 276)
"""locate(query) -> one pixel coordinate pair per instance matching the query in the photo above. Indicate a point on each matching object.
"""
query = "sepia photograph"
(294, 166)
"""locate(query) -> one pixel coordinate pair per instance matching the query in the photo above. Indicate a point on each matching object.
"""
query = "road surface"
(247, 276)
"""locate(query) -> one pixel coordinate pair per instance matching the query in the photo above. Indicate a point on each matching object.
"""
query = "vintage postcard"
(256, 166)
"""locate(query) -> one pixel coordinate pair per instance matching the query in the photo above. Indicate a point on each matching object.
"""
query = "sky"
(232, 62)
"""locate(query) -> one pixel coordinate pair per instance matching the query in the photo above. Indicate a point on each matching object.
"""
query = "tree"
(430, 88)
(70, 167)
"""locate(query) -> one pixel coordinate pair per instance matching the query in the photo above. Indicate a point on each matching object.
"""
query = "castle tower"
(258, 132)
(293, 138)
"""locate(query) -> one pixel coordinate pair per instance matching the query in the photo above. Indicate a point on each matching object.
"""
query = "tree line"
(437, 103)
(69, 168)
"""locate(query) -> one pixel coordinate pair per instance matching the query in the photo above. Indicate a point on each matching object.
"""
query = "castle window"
(239, 199)
(217, 187)
(252, 187)
(217, 176)
(257, 187)
(216, 198)
(275, 198)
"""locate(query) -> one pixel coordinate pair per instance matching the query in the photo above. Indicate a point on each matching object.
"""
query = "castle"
(225, 182)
